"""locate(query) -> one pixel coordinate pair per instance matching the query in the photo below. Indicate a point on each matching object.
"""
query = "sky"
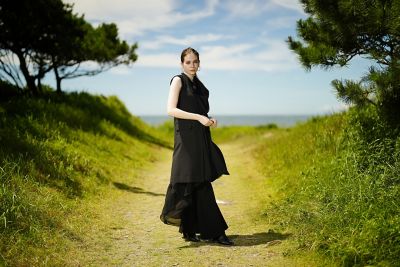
(245, 61)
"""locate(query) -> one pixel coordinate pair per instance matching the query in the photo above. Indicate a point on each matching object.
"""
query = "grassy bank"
(58, 153)
(332, 184)
(337, 184)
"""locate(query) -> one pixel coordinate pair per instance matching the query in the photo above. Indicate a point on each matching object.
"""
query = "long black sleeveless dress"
(190, 202)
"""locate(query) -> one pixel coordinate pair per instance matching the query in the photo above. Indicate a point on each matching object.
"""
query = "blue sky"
(245, 62)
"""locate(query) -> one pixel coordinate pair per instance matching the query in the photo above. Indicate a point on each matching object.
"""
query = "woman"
(190, 202)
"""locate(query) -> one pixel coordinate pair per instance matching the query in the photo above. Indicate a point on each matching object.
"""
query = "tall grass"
(338, 187)
(56, 151)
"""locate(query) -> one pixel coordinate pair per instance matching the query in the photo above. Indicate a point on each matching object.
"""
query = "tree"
(100, 45)
(29, 30)
(44, 35)
(336, 31)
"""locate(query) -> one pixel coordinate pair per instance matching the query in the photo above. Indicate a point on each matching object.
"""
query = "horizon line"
(255, 114)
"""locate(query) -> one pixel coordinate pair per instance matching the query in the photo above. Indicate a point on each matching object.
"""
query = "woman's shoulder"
(176, 78)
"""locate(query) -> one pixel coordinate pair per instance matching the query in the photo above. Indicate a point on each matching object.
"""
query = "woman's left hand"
(214, 123)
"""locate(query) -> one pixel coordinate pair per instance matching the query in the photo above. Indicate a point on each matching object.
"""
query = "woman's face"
(190, 64)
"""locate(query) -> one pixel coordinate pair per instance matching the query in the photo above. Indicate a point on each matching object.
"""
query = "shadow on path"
(268, 238)
(134, 189)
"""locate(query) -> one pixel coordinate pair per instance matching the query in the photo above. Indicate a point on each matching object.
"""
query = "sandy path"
(129, 232)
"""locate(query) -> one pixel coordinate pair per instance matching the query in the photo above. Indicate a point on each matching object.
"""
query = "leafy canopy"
(43, 35)
(338, 30)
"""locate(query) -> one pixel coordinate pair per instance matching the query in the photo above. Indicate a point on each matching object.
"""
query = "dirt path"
(128, 231)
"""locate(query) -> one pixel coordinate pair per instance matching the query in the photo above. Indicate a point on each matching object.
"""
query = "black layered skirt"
(193, 208)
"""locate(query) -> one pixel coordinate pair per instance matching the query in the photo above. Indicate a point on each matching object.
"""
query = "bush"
(346, 173)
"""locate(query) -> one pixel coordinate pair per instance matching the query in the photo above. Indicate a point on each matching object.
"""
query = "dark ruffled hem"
(193, 207)
(170, 220)
(178, 198)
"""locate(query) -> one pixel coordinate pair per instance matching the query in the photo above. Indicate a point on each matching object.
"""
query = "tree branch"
(9, 67)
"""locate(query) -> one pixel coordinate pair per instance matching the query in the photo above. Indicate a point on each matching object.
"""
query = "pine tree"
(336, 31)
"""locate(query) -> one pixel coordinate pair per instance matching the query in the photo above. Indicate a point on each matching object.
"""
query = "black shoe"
(223, 240)
(190, 237)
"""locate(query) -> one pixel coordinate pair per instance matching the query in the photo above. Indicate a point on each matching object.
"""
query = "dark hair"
(187, 51)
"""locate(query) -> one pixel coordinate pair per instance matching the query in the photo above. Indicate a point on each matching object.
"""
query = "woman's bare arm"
(173, 111)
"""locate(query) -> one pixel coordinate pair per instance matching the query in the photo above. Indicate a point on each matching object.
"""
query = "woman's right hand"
(205, 121)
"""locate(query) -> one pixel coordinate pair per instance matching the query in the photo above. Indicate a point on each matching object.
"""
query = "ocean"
(248, 120)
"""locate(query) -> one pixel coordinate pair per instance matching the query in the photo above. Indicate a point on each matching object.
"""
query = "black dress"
(190, 202)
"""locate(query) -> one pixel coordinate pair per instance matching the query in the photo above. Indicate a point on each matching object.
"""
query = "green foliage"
(352, 92)
(338, 30)
(108, 47)
(101, 45)
(338, 180)
(33, 31)
(167, 128)
(46, 35)
(231, 133)
(220, 134)
(56, 151)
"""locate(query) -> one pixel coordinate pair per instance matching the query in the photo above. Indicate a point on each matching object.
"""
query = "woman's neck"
(191, 77)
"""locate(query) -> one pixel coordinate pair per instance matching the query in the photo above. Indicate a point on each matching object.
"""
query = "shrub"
(339, 183)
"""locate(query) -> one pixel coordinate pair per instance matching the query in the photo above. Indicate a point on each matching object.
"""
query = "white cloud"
(121, 70)
(226, 57)
(281, 23)
(106, 10)
(246, 7)
(290, 4)
(251, 8)
(134, 17)
(272, 56)
(158, 60)
(189, 40)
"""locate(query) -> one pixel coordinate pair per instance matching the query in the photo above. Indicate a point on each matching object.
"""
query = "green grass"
(221, 134)
(337, 184)
(334, 182)
(230, 133)
(58, 153)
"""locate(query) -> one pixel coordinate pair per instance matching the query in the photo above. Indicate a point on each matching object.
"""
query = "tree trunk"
(58, 80)
(40, 76)
(39, 85)
(30, 80)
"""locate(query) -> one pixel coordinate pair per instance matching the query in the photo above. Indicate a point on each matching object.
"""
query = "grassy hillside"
(333, 182)
(56, 154)
(337, 181)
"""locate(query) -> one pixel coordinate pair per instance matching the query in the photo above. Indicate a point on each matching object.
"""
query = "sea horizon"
(281, 120)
